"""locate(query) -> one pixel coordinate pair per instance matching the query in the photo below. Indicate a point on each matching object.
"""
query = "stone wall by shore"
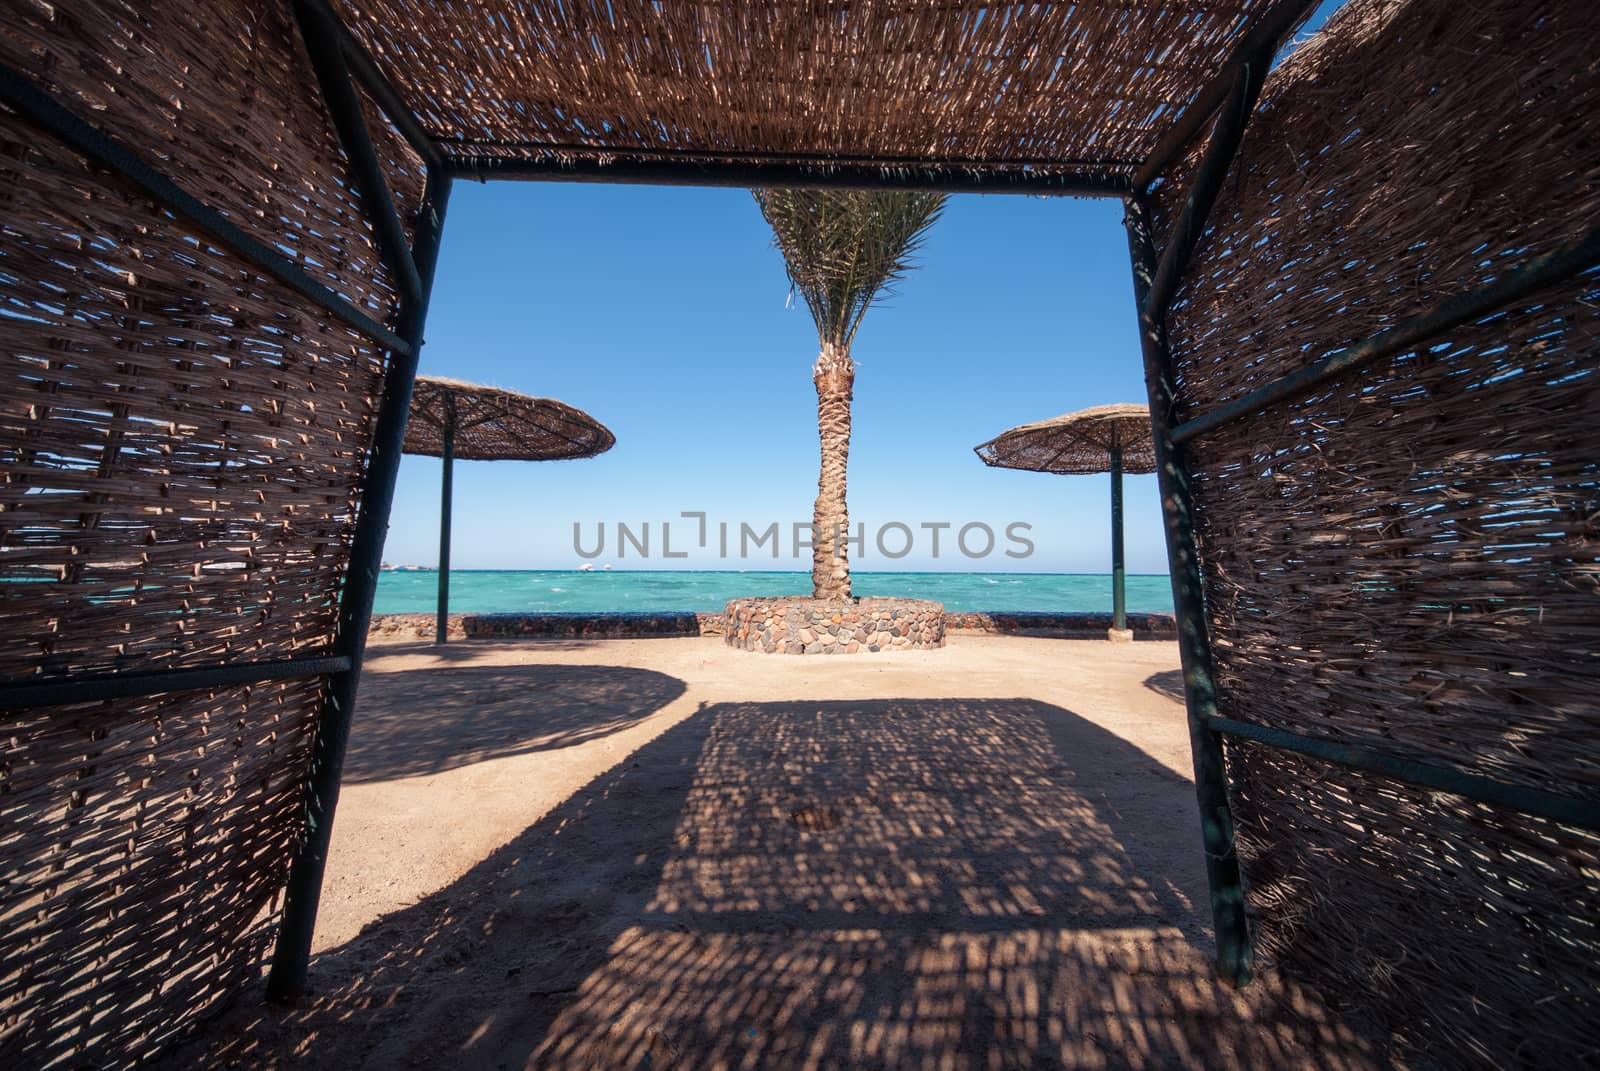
(614, 626)
(796, 625)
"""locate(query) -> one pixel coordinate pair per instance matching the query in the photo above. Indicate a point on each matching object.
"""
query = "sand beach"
(664, 853)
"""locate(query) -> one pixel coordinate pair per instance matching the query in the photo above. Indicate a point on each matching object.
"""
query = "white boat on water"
(587, 567)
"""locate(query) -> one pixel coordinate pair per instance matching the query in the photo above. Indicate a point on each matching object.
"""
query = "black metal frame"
(1263, 41)
(1579, 813)
(324, 39)
(326, 43)
(669, 169)
(1233, 960)
(93, 687)
(329, 46)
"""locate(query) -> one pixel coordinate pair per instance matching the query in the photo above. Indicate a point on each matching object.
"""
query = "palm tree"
(842, 249)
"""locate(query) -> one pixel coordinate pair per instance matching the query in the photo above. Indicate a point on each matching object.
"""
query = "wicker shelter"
(1366, 296)
(1104, 438)
(451, 419)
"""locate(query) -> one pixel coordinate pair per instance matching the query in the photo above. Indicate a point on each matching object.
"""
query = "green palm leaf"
(845, 249)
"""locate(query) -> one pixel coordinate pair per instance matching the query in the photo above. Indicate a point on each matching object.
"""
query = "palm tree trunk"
(834, 376)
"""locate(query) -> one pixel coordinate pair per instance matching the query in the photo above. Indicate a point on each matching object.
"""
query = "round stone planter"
(798, 625)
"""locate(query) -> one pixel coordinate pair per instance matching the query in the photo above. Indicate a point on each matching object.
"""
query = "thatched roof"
(500, 425)
(1008, 83)
(1076, 442)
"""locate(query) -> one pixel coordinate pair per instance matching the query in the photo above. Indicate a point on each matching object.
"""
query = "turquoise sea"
(549, 591)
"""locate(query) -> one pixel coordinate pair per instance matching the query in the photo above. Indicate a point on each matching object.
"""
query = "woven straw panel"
(891, 78)
(181, 441)
(220, 98)
(145, 842)
(1467, 932)
(1408, 560)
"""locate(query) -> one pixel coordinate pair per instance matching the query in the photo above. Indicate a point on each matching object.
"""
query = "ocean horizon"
(414, 590)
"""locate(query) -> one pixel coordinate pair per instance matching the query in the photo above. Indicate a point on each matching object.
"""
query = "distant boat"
(608, 567)
(588, 567)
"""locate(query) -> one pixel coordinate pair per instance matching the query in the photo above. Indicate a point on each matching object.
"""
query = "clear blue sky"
(664, 313)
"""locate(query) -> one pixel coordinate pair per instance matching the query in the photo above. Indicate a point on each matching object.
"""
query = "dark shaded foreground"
(943, 884)
(425, 721)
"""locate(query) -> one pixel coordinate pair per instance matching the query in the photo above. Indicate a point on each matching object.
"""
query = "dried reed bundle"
(181, 444)
(1408, 559)
(1052, 84)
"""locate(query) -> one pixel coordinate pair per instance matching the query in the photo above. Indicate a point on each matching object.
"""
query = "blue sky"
(664, 312)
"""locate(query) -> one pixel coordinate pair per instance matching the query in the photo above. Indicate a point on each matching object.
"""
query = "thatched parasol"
(451, 419)
(1076, 443)
(1106, 438)
(491, 424)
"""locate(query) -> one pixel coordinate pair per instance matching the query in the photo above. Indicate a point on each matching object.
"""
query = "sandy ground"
(665, 853)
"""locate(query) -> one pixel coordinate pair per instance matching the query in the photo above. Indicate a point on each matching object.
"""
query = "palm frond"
(845, 249)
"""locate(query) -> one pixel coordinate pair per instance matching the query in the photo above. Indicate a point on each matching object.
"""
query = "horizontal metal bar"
(1541, 272)
(480, 147)
(388, 98)
(1579, 813)
(1262, 41)
(320, 32)
(922, 175)
(153, 682)
(37, 106)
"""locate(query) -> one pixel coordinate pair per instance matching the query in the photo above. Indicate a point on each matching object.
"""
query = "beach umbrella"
(1106, 438)
(451, 419)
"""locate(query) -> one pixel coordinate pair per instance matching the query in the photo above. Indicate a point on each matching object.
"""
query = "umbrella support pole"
(441, 626)
(1119, 593)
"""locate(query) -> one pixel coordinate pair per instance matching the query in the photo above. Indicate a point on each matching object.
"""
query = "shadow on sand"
(424, 721)
(1168, 683)
(945, 884)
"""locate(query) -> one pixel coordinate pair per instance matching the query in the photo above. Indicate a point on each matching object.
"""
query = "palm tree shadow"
(426, 721)
(896, 883)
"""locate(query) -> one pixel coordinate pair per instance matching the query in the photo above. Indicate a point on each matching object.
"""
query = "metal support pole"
(1262, 42)
(1194, 644)
(441, 630)
(1119, 595)
(293, 952)
(1206, 185)
(384, 94)
(322, 34)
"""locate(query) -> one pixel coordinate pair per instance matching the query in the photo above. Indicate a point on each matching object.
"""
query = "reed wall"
(1408, 559)
(182, 441)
